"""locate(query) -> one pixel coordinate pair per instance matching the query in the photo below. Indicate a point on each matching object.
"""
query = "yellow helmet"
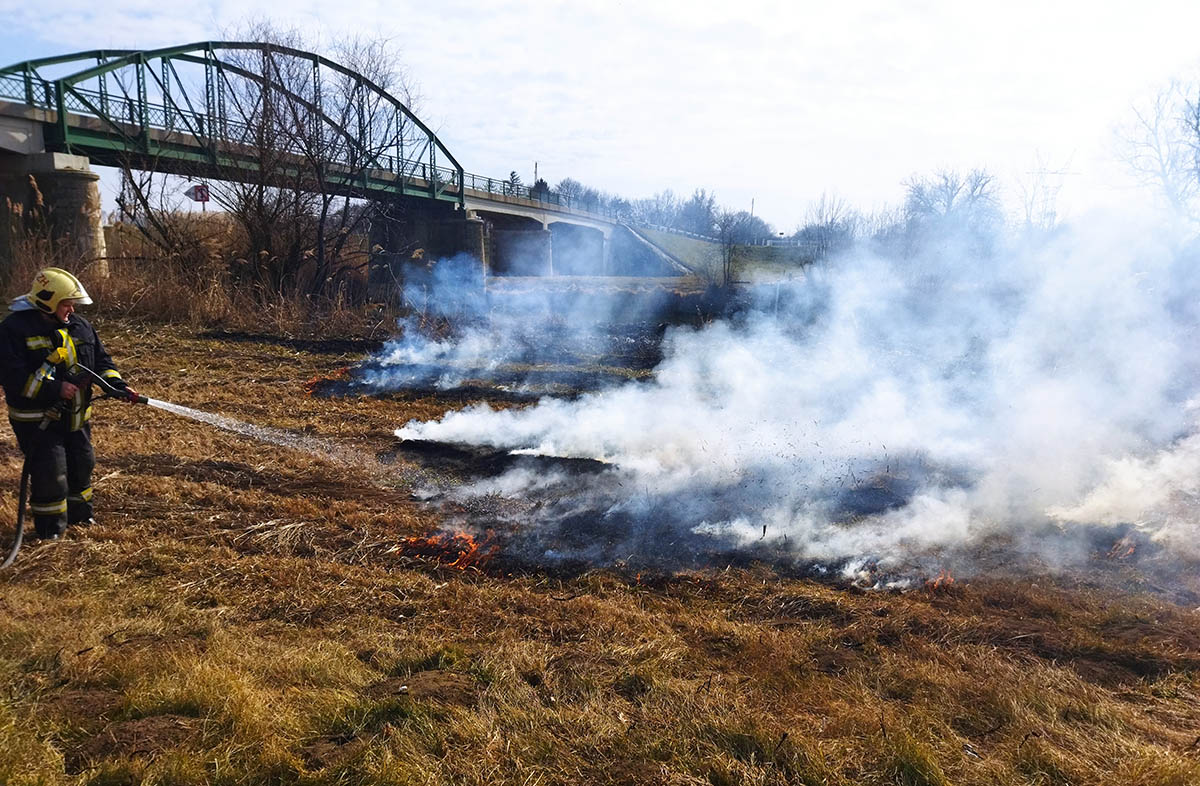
(53, 285)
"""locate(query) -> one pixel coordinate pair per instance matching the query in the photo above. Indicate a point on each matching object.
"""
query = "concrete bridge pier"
(57, 194)
(579, 250)
(522, 252)
(412, 243)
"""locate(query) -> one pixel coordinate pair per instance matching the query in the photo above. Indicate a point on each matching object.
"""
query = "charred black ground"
(584, 513)
(579, 522)
(538, 360)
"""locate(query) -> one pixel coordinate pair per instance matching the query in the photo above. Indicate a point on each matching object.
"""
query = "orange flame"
(1122, 549)
(339, 375)
(458, 550)
(943, 581)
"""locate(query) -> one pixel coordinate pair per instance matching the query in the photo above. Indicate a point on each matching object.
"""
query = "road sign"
(197, 193)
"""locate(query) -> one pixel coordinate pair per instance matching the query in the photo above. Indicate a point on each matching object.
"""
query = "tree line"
(969, 200)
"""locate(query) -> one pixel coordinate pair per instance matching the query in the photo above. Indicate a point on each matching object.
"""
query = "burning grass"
(245, 613)
(454, 550)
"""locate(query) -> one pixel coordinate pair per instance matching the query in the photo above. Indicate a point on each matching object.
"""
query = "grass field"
(752, 261)
(258, 613)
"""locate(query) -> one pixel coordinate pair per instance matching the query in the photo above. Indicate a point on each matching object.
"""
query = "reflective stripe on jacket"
(36, 355)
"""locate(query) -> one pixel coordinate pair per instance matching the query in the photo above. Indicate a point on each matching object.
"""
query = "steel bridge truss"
(236, 110)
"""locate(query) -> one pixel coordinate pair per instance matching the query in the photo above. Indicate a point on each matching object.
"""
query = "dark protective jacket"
(32, 382)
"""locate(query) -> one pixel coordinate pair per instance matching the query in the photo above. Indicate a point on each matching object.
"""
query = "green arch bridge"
(263, 113)
(222, 109)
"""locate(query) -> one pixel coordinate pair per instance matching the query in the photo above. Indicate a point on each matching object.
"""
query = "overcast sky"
(771, 101)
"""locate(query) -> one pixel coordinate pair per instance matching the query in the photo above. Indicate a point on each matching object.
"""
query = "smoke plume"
(458, 331)
(895, 403)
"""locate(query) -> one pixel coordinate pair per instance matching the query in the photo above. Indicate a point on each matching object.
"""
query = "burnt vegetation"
(245, 614)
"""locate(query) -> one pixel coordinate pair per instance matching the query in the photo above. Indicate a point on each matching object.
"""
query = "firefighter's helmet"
(53, 285)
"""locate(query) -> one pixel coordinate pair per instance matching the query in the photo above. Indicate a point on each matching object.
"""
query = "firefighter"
(49, 406)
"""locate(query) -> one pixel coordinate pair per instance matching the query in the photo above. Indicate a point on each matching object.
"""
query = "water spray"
(262, 433)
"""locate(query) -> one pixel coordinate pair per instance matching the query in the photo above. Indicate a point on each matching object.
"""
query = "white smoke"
(1158, 494)
(460, 330)
(443, 363)
(445, 290)
(892, 404)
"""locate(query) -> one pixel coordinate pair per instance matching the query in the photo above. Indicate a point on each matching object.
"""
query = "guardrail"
(776, 242)
(507, 187)
(677, 231)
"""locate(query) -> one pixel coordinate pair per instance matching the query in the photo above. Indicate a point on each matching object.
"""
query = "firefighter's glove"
(124, 392)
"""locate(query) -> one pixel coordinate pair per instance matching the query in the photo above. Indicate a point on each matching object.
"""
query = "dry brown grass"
(240, 615)
(194, 285)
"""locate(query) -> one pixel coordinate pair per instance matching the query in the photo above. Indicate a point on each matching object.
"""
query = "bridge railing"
(12, 86)
(506, 187)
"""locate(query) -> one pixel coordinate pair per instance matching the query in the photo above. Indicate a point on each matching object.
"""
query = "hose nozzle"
(109, 389)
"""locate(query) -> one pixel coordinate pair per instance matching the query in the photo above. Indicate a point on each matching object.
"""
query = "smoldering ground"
(523, 336)
(898, 408)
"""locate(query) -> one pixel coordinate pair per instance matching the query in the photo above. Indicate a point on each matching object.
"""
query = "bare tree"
(147, 203)
(831, 225)
(1160, 144)
(590, 198)
(953, 204)
(151, 219)
(297, 219)
(619, 206)
(950, 193)
(1191, 123)
(569, 189)
(658, 210)
(147, 200)
(732, 229)
(153, 206)
(885, 226)
(305, 134)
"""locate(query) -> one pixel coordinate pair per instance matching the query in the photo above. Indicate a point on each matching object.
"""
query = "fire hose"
(53, 414)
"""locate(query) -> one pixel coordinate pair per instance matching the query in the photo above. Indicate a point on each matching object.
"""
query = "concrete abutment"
(579, 250)
(56, 195)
